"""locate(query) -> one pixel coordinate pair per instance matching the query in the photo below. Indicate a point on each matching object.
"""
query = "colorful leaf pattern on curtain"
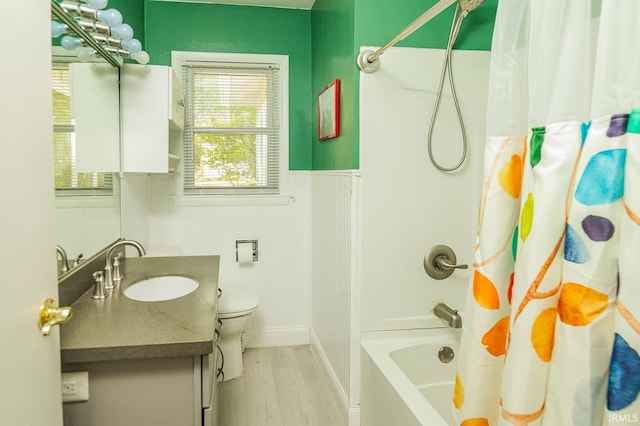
(550, 336)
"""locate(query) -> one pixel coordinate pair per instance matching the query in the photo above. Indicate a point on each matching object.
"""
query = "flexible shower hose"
(455, 28)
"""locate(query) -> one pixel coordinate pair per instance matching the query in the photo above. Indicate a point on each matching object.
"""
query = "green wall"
(242, 29)
(132, 13)
(332, 41)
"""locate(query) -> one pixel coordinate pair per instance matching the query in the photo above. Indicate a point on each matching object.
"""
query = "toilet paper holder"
(254, 247)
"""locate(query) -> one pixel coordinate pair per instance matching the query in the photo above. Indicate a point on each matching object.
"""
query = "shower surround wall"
(407, 205)
(372, 227)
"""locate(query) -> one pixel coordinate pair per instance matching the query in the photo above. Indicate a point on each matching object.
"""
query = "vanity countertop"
(118, 328)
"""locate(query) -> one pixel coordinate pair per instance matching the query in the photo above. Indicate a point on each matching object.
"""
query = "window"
(68, 182)
(235, 133)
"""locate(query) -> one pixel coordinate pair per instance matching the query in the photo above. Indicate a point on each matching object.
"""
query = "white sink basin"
(161, 288)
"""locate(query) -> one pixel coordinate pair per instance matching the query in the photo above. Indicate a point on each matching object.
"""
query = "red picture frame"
(329, 111)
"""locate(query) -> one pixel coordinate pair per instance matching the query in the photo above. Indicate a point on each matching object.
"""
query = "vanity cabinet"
(152, 117)
(148, 363)
(154, 392)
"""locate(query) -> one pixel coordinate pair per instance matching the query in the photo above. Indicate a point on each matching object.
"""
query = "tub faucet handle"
(440, 262)
(443, 264)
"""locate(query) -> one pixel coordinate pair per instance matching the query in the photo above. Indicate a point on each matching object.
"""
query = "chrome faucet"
(65, 260)
(451, 316)
(109, 283)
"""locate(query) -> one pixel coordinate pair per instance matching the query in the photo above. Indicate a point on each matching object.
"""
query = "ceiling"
(292, 4)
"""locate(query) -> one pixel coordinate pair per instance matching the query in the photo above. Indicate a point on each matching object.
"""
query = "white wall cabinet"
(152, 117)
(95, 109)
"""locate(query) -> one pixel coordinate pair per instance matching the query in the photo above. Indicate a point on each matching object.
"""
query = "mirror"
(86, 154)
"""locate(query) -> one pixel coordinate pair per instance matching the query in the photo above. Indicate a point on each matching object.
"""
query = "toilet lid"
(232, 302)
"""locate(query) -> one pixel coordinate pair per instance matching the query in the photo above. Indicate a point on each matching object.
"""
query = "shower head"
(468, 5)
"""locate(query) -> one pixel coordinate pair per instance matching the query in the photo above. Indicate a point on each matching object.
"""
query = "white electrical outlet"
(75, 386)
(69, 388)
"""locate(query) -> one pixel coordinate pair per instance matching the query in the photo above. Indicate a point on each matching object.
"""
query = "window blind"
(232, 134)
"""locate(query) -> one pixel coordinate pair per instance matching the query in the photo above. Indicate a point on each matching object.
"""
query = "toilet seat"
(235, 303)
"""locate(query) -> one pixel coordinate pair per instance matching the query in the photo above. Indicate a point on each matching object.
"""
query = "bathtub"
(404, 383)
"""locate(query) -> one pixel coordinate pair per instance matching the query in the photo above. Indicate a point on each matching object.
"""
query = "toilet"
(235, 312)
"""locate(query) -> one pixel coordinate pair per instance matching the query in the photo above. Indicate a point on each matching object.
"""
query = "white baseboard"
(285, 336)
(350, 414)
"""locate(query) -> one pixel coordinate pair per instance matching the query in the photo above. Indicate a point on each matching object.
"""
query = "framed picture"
(329, 111)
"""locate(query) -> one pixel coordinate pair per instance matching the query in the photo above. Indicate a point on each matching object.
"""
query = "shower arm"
(368, 59)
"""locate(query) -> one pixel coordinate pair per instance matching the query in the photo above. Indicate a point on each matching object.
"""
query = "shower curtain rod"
(368, 59)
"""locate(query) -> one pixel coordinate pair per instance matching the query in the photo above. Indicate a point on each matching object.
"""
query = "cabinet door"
(140, 392)
(95, 106)
(144, 107)
(176, 106)
(209, 390)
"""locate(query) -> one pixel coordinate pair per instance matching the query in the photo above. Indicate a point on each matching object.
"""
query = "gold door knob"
(50, 315)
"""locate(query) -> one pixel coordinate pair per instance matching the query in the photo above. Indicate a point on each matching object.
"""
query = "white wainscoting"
(335, 334)
(281, 278)
(136, 198)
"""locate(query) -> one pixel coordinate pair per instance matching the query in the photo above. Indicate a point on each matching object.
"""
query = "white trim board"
(350, 414)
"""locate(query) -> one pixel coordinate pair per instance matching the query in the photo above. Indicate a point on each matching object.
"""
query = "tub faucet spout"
(451, 316)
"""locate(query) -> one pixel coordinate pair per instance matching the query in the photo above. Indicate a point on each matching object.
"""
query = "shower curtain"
(551, 329)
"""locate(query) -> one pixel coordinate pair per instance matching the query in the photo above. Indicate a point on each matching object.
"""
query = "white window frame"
(284, 196)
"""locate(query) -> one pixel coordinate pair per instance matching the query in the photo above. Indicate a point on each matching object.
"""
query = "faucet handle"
(76, 261)
(440, 262)
(443, 264)
(98, 290)
(117, 275)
